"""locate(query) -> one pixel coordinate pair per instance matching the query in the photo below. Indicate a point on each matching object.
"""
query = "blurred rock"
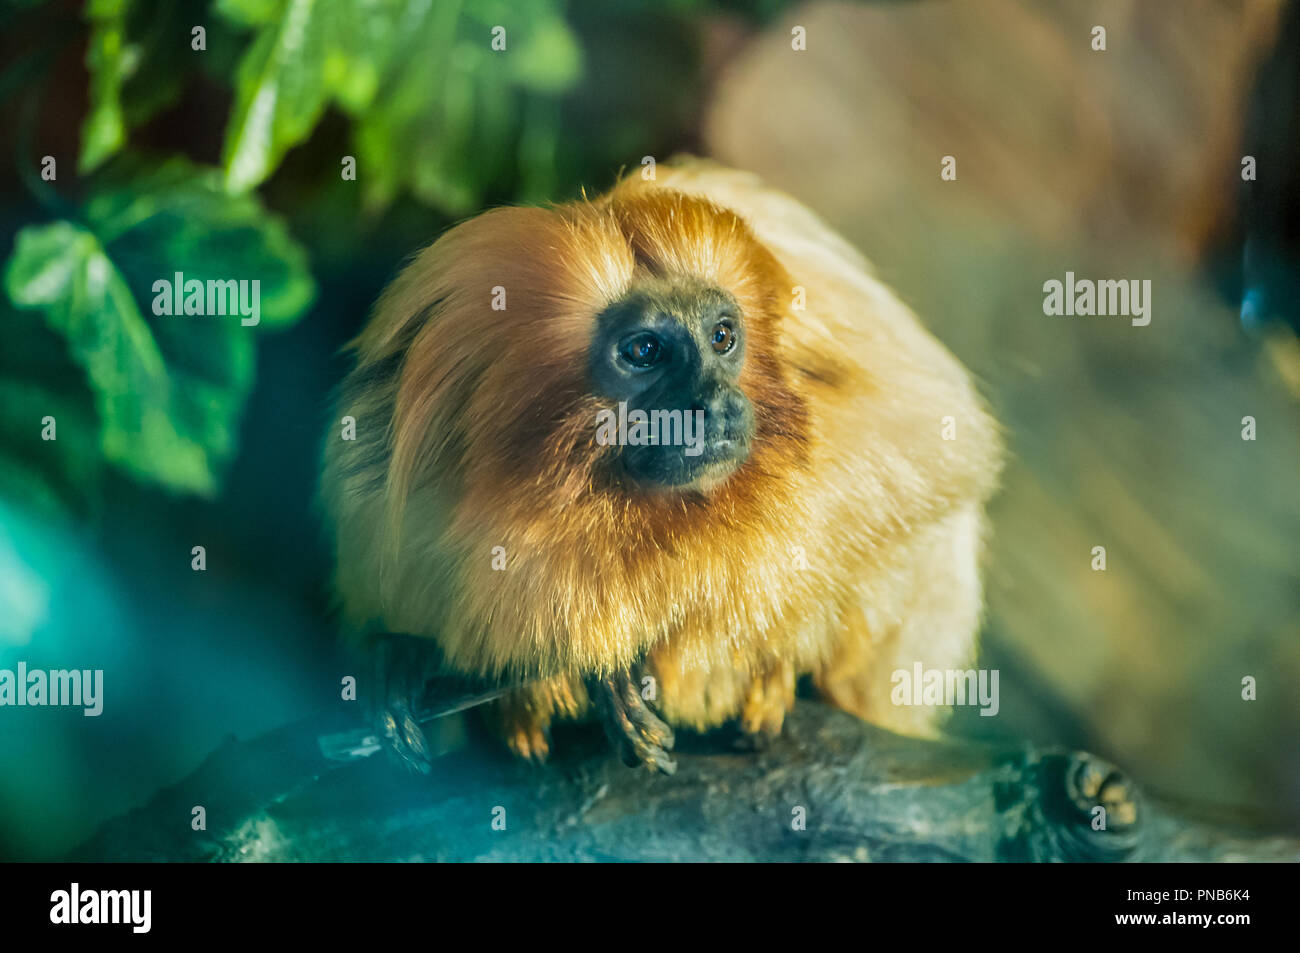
(1107, 164)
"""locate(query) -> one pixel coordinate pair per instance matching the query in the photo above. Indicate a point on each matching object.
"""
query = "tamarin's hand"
(408, 683)
(636, 733)
(679, 426)
(400, 667)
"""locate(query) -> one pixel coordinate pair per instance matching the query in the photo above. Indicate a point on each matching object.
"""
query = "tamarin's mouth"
(672, 468)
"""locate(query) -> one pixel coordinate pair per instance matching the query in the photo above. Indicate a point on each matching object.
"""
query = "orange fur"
(852, 531)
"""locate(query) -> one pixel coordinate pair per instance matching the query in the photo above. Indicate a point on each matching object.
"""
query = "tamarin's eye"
(643, 350)
(724, 338)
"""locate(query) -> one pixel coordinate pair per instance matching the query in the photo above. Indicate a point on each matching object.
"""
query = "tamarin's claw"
(638, 735)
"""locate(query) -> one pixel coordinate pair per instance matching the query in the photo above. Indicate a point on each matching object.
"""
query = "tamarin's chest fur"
(827, 521)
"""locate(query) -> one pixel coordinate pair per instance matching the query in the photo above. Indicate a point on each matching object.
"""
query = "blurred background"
(135, 147)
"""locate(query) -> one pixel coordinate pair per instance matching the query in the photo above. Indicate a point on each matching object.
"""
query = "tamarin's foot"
(637, 734)
(527, 736)
(768, 699)
(523, 717)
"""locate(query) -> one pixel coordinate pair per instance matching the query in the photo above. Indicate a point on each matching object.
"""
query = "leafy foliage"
(140, 57)
(436, 107)
(168, 389)
(453, 103)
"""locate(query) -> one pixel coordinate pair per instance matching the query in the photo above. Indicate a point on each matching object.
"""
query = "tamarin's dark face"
(673, 349)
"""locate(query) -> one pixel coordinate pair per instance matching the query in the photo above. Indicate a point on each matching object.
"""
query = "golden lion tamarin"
(825, 518)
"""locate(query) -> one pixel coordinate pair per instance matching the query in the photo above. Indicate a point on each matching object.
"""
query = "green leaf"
(306, 54)
(63, 270)
(179, 213)
(109, 59)
(548, 60)
(454, 116)
(139, 56)
(167, 389)
(438, 111)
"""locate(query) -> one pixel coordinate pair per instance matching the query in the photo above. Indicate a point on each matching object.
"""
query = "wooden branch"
(861, 793)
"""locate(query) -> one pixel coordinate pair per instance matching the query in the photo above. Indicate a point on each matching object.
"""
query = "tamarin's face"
(677, 346)
(647, 304)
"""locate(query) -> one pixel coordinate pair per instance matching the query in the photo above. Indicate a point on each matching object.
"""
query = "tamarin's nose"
(711, 406)
(719, 405)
